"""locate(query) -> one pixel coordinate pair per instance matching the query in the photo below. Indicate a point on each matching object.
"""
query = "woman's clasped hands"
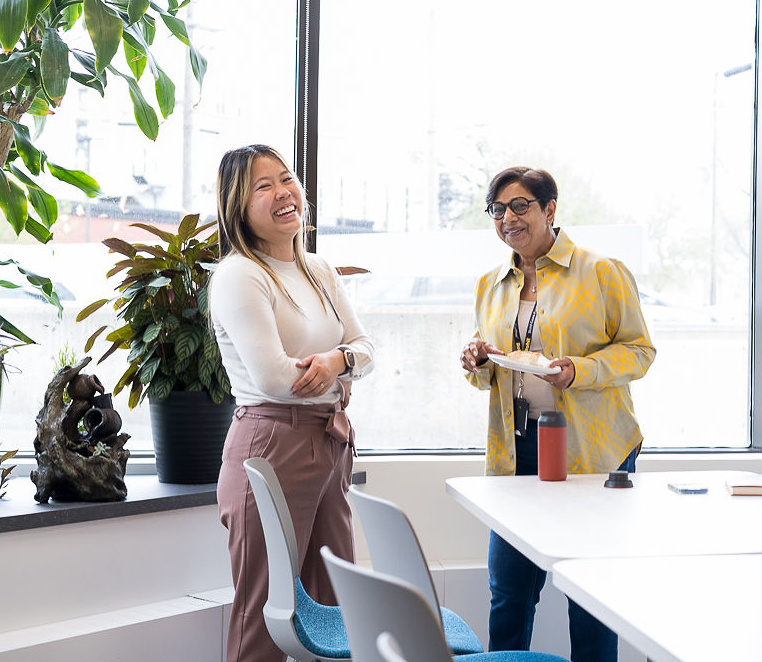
(321, 371)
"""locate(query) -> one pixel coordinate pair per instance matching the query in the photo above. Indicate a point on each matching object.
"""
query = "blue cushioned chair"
(374, 603)
(299, 626)
(395, 550)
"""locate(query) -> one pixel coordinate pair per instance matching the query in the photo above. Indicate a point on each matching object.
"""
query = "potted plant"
(173, 355)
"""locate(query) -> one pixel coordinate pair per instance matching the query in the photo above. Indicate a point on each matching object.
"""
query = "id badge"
(520, 415)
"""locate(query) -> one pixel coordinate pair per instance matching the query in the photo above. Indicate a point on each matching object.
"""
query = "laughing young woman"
(292, 345)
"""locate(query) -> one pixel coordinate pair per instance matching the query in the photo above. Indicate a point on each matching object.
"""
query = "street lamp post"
(713, 227)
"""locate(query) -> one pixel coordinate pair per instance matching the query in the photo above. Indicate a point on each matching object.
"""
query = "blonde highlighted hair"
(236, 235)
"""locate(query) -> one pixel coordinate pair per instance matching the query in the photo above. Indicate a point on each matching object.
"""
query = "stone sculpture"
(80, 453)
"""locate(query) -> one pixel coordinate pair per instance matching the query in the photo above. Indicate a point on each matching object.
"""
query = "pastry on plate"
(529, 358)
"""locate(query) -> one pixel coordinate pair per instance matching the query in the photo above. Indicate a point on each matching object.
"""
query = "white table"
(579, 518)
(674, 609)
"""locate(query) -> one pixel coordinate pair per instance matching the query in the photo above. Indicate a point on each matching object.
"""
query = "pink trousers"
(315, 473)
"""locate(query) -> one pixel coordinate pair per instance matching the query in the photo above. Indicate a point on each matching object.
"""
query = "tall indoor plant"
(35, 69)
(36, 64)
(173, 356)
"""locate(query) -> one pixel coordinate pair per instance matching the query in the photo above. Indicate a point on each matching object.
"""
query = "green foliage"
(35, 68)
(7, 343)
(5, 472)
(66, 356)
(162, 303)
(43, 286)
(101, 449)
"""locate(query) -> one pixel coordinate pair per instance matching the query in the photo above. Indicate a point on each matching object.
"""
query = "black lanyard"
(530, 327)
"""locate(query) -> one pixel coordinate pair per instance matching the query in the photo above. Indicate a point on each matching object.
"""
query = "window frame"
(306, 106)
(755, 305)
(306, 164)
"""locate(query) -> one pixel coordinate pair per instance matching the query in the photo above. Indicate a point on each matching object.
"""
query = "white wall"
(156, 586)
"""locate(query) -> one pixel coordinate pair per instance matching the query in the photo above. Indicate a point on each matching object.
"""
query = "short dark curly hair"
(538, 182)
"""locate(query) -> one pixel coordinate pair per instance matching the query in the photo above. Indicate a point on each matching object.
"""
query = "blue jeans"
(516, 582)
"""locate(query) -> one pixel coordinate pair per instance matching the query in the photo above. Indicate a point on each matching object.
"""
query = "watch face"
(349, 358)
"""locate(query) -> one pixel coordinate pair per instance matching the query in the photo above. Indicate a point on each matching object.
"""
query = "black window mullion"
(755, 313)
(306, 123)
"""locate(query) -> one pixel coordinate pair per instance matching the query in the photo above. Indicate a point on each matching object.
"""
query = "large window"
(644, 114)
(248, 96)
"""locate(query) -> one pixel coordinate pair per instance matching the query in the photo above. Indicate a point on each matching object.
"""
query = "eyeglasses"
(518, 206)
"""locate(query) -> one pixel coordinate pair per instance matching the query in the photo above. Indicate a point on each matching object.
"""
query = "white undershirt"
(262, 335)
(536, 391)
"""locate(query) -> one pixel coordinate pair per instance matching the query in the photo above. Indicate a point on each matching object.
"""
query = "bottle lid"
(552, 419)
(618, 479)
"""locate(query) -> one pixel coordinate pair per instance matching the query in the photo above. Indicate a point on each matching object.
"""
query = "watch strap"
(347, 362)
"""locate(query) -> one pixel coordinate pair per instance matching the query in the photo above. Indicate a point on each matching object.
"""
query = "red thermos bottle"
(551, 445)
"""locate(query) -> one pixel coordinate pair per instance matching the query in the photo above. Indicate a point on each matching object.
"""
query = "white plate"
(523, 367)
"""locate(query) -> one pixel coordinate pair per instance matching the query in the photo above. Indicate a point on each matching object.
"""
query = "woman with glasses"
(582, 312)
(292, 346)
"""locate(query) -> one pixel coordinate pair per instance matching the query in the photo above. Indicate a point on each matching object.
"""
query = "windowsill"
(145, 494)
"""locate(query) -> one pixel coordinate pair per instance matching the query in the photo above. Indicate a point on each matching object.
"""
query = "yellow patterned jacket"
(587, 309)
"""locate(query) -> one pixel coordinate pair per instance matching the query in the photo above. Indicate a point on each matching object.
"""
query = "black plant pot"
(189, 431)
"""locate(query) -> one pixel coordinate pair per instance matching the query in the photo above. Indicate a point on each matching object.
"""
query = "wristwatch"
(349, 359)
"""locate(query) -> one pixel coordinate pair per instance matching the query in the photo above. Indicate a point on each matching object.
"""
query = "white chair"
(388, 648)
(395, 550)
(299, 626)
(374, 603)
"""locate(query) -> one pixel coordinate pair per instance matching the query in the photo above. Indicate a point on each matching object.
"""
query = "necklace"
(533, 289)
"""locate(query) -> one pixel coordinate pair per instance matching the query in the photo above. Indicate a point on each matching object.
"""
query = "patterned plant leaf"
(146, 373)
(211, 351)
(187, 340)
(160, 387)
(152, 332)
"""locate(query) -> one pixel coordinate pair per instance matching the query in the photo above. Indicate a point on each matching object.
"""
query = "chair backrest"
(392, 543)
(282, 557)
(388, 648)
(373, 602)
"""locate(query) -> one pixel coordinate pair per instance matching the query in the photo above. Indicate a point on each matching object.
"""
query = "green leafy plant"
(162, 301)
(5, 472)
(66, 355)
(7, 343)
(36, 64)
(44, 288)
